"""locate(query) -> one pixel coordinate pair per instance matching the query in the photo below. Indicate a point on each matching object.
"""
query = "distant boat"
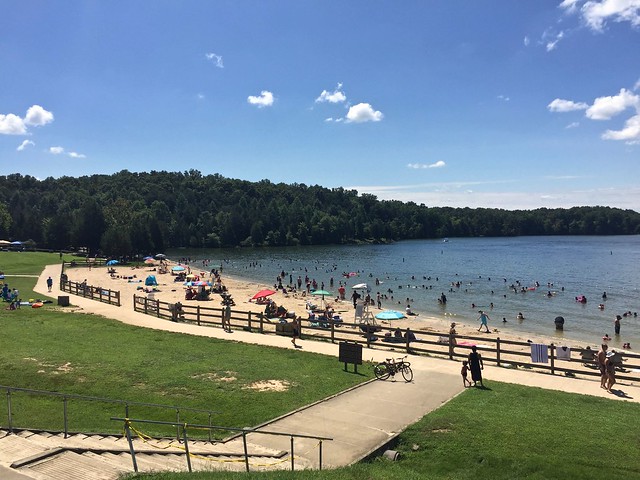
(445, 240)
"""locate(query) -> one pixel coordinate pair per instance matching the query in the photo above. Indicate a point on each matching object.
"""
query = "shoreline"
(242, 289)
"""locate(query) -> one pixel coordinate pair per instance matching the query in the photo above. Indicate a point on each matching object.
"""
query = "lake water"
(486, 269)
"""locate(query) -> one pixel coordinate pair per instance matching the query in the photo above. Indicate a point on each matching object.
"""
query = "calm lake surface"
(418, 272)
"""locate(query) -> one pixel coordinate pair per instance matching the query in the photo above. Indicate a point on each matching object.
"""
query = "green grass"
(27, 263)
(91, 355)
(504, 432)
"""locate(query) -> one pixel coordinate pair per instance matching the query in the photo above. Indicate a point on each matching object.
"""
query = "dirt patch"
(51, 367)
(269, 386)
(216, 377)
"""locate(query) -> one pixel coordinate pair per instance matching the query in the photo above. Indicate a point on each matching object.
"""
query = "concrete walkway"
(366, 417)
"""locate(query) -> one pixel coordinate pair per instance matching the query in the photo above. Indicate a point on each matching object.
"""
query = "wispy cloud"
(553, 43)
(438, 164)
(561, 105)
(60, 150)
(573, 125)
(24, 145)
(265, 99)
(337, 96)
(504, 98)
(215, 59)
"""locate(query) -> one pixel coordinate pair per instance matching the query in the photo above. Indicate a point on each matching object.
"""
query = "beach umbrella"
(178, 268)
(112, 262)
(147, 258)
(149, 261)
(160, 256)
(321, 292)
(5, 242)
(361, 286)
(390, 315)
(262, 294)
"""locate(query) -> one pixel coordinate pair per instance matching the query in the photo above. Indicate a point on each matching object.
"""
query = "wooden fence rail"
(89, 291)
(503, 353)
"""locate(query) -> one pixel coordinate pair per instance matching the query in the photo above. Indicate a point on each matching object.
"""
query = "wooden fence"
(89, 291)
(503, 353)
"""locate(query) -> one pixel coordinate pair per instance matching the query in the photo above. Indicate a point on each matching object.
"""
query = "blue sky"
(506, 104)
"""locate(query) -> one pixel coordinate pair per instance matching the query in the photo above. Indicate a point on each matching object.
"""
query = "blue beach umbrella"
(178, 268)
(390, 315)
(112, 262)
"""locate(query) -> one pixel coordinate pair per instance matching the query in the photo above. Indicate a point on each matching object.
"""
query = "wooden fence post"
(498, 351)
(552, 348)
(249, 322)
(261, 323)
(198, 314)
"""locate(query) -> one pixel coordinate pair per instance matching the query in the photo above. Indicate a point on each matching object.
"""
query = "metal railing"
(242, 431)
(65, 397)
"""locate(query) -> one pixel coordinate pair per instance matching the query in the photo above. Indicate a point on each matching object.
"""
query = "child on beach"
(465, 371)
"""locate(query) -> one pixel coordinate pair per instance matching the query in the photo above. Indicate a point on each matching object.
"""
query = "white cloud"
(215, 59)
(363, 112)
(504, 98)
(637, 85)
(526, 41)
(38, 116)
(630, 133)
(551, 44)
(56, 150)
(337, 96)
(570, 6)
(200, 96)
(596, 13)
(61, 150)
(24, 145)
(438, 164)
(573, 125)
(561, 105)
(264, 100)
(11, 124)
(604, 108)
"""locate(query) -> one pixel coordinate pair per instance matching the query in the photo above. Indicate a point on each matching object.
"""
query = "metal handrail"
(244, 431)
(67, 396)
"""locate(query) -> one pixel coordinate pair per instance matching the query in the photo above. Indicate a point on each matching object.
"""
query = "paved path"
(365, 417)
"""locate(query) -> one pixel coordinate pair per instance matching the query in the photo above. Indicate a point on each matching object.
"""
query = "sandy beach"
(130, 281)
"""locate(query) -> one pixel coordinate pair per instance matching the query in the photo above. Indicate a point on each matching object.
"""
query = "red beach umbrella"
(262, 294)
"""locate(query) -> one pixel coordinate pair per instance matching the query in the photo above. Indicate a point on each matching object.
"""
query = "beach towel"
(539, 353)
(563, 353)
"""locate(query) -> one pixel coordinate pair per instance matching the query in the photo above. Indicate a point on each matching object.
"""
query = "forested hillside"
(128, 213)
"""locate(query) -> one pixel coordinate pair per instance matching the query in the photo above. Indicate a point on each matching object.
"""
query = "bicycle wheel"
(407, 373)
(382, 371)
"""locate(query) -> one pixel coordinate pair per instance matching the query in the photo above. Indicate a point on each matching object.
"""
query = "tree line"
(131, 213)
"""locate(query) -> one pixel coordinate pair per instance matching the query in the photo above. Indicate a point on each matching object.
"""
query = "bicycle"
(390, 367)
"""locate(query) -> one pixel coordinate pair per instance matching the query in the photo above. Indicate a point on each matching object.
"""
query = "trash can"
(63, 300)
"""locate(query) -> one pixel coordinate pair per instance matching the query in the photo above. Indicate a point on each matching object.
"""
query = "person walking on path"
(452, 339)
(601, 359)
(610, 369)
(464, 371)
(484, 319)
(476, 366)
(226, 318)
(296, 331)
(49, 284)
